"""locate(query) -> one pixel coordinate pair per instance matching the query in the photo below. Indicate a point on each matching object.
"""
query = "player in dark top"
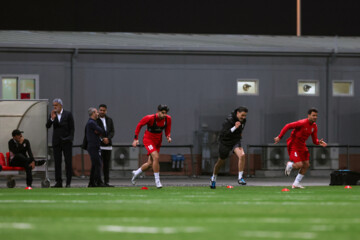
(152, 139)
(21, 155)
(230, 142)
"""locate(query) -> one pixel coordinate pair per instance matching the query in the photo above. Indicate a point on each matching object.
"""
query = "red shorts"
(151, 145)
(299, 156)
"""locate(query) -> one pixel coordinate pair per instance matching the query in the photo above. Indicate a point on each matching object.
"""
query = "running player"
(298, 152)
(152, 139)
(230, 142)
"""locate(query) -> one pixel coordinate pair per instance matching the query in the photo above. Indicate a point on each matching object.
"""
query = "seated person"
(21, 155)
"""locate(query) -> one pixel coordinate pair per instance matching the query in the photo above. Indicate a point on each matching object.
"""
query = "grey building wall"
(200, 89)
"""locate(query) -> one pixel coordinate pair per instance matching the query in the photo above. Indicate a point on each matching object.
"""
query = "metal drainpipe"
(329, 61)
(72, 62)
(327, 89)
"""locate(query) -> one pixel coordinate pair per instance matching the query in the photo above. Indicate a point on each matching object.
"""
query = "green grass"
(180, 213)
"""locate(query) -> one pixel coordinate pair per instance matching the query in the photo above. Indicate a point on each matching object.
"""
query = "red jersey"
(302, 131)
(149, 121)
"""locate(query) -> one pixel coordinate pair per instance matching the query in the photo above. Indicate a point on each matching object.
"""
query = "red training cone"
(144, 188)
(28, 188)
(285, 190)
(347, 186)
(229, 186)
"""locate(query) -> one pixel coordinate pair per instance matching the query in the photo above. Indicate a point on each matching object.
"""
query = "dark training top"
(92, 133)
(24, 148)
(227, 137)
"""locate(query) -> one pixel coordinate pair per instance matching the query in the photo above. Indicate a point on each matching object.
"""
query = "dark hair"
(241, 109)
(163, 107)
(16, 132)
(102, 105)
(312, 110)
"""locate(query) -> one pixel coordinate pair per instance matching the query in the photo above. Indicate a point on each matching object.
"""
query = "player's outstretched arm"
(322, 143)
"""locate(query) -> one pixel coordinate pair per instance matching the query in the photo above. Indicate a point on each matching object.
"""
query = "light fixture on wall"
(247, 87)
(308, 87)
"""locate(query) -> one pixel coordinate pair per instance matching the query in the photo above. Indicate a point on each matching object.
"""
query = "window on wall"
(343, 88)
(247, 86)
(19, 87)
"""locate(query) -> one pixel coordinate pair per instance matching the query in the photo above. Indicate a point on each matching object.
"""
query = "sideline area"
(188, 181)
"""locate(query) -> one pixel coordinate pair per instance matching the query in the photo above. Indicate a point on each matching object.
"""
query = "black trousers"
(95, 156)
(106, 157)
(20, 160)
(66, 149)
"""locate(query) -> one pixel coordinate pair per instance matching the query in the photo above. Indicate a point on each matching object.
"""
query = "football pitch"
(249, 212)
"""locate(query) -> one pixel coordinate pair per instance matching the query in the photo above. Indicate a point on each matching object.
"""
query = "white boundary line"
(16, 225)
(273, 234)
(144, 229)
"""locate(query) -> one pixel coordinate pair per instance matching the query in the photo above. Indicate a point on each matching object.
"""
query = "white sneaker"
(288, 169)
(297, 185)
(158, 184)
(133, 181)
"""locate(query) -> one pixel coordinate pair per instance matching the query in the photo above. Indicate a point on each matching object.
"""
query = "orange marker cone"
(229, 186)
(285, 190)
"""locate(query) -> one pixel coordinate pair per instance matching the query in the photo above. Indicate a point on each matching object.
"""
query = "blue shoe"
(241, 181)
(212, 184)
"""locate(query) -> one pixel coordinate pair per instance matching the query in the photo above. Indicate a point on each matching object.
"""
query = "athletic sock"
(157, 176)
(213, 178)
(241, 174)
(298, 178)
(137, 172)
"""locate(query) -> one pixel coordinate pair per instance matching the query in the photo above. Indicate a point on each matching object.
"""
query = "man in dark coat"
(63, 136)
(93, 132)
(106, 123)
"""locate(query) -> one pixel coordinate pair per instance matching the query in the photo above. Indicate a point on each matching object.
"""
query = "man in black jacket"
(106, 123)
(63, 136)
(21, 155)
(93, 132)
(230, 142)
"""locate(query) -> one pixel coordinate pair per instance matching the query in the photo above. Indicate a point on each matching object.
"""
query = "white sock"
(137, 172)
(298, 178)
(241, 174)
(157, 176)
(213, 178)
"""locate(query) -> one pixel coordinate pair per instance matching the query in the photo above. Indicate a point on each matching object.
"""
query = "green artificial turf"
(180, 213)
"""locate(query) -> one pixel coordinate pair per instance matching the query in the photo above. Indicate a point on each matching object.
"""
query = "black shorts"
(226, 150)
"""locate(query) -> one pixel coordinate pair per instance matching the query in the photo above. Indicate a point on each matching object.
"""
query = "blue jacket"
(93, 132)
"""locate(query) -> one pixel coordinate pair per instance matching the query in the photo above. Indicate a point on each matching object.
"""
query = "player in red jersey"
(298, 152)
(152, 139)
